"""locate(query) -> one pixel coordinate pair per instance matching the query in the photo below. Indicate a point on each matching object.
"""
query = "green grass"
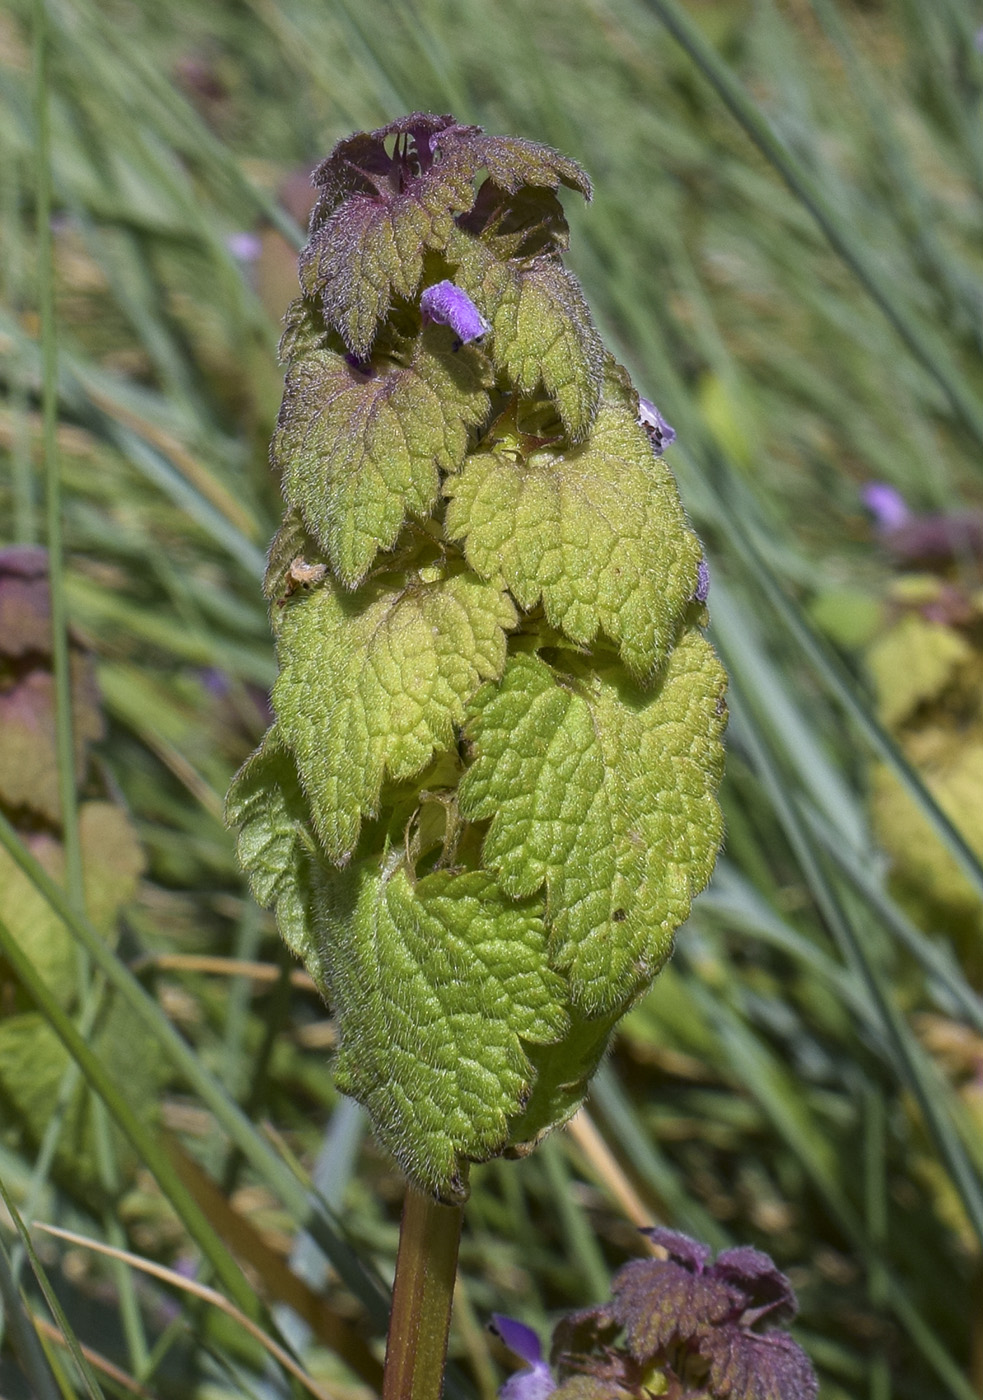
(784, 249)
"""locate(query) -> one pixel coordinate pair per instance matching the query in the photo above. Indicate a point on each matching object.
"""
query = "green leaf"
(522, 225)
(563, 1074)
(359, 451)
(375, 683)
(542, 330)
(275, 844)
(436, 984)
(292, 541)
(304, 330)
(596, 531)
(605, 794)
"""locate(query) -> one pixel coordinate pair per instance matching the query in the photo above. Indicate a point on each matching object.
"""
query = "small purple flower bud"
(449, 306)
(659, 431)
(536, 1381)
(702, 582)
(886, 505)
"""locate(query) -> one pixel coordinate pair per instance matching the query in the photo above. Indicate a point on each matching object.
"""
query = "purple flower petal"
(534, 1384)
(659, 431)
(536, 1381)
(449, 306)
(520, 1339)
(886, 505)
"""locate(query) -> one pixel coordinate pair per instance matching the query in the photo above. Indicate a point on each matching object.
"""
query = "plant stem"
(423, 1291)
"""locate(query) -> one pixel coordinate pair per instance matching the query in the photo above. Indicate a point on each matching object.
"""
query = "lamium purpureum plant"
(488, 794)
(677, 1326)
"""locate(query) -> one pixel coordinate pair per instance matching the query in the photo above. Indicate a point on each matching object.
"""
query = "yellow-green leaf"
(606, 795)
(595, 531)
(375, 683)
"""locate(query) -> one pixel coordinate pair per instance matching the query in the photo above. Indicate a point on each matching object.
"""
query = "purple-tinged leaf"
(692, 1254)
(766, 1289)
(512, 162)
(746, 1366)
(25, 606)
(660, 1302)
(376, 217)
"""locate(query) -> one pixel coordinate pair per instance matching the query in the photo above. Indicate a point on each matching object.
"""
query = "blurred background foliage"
(785, 247)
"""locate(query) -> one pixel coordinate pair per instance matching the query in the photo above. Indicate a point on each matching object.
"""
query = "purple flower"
(449, 306)
(536, 1381)
(886, 505)
(928, 541)
(659, 431)
(702, 582)
(244, 247)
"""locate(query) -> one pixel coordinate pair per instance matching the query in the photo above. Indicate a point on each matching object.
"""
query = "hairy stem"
(423, 1291)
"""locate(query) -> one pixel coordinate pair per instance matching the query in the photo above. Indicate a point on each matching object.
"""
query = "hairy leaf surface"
(275, 844)
(359, 451)
(542, 327)
(605, 794)
(524, 224)
(375, 683)
(437, 984)
(596, 531)
(563, 1074)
